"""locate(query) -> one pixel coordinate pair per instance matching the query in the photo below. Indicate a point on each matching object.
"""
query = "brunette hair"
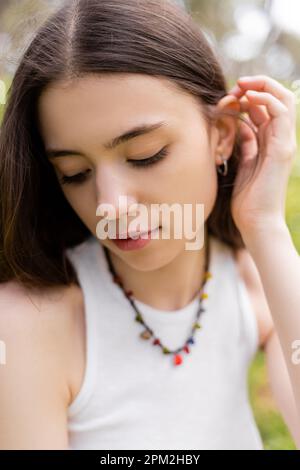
(154, 37)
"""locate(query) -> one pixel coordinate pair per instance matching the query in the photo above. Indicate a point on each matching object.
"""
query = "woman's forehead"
(112, 91)
(114, 103)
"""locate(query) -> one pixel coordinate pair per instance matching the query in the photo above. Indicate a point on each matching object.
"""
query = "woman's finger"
(249, 144)
(267, 84)
(282, 126)
(257, 113)
(274, 107)
(236, 91)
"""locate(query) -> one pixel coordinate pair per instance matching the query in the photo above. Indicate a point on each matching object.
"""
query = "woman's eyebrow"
(136, 131)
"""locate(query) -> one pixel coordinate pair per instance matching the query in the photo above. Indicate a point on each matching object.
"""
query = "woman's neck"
(170, 287)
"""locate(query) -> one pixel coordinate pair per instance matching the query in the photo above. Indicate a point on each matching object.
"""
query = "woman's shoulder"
(45, 324)
(15, 299)
(37, 333)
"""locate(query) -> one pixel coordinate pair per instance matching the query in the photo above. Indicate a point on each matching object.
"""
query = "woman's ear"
(225, 127)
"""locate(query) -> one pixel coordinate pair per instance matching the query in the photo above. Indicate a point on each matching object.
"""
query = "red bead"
(186, 348)
(117, 280)
(177, 359)
(129, 293)
(156, 341)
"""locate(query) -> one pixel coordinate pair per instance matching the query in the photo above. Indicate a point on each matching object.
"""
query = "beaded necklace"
(147, 332)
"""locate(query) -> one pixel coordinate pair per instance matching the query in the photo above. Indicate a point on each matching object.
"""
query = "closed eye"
(151, 160)
(75, 179)
(80, 178)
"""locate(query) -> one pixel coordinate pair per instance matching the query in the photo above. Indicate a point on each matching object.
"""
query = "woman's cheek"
(83, 201)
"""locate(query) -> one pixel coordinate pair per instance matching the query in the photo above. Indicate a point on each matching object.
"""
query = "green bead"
(138, 318)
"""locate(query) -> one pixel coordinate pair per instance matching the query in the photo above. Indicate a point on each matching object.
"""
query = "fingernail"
(234, 89)
(246, 78)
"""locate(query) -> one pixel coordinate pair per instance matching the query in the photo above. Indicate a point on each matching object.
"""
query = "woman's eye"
(75, 179)
(151, 160)
(83, 176)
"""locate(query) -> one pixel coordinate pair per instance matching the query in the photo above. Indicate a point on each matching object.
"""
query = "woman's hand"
(272, 111)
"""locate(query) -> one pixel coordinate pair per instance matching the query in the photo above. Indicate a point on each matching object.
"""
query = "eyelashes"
(76, 179)
(83, 176)
(151, 160)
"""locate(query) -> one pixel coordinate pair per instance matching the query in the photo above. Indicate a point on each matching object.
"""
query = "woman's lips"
(135, 236)
(133, 244)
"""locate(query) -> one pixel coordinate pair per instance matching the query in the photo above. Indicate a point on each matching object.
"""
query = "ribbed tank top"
(133, 396)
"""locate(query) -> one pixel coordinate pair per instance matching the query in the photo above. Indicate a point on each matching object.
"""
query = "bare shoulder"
(49, 310)
(17, 291)
(250, 275)
(42, 333)
(53, 316)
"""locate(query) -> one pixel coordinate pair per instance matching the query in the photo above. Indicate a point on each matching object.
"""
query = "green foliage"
(7, 82)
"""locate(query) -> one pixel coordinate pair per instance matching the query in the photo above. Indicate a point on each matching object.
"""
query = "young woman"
(115, 348)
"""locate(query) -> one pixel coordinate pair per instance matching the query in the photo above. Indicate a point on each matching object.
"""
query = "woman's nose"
(113, 194)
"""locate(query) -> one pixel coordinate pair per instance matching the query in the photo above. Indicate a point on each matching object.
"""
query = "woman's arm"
(269, 341)
(278, 264)
(34, 392)
(258, 206)
(281, 385)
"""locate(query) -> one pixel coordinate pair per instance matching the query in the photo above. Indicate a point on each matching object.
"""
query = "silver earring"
(223, 168)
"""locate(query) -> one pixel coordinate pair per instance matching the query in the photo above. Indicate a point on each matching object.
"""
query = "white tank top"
(133, 396)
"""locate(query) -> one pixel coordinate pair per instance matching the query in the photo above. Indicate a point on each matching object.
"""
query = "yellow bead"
(204, 296)
(208, 275)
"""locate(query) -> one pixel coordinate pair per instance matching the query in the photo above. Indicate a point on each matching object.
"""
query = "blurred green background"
(249, 37)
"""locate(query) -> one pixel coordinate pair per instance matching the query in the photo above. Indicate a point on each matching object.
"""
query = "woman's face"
(82, 116)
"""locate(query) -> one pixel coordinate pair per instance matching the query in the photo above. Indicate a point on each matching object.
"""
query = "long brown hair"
(154, 37)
